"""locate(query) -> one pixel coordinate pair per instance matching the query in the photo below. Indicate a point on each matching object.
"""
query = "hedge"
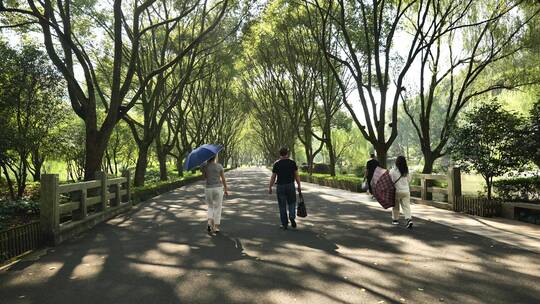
(525, 189)
(148, 191)
(324, 169)
(350, 183)
(317, 168)
(13, 213)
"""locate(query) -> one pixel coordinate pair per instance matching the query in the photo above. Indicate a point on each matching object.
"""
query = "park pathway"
(345, 251)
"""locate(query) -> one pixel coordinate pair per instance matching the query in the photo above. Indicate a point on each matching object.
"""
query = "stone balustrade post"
(49, 215)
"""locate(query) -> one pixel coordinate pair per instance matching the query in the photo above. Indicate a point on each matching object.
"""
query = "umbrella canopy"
(200, 155)
(383, 188)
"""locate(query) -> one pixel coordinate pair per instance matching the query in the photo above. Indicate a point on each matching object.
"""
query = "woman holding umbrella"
(216, 186)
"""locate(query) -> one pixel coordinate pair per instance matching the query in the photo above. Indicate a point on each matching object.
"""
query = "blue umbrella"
(200, 155)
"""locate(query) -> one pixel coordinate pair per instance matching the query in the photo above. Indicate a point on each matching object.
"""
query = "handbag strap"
(398, 179)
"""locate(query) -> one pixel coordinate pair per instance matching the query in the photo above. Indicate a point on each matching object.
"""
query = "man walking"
(371, 165)
(286, 171)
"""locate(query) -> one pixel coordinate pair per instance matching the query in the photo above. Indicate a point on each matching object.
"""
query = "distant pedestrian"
(371, 165)
(401, 178)
(286, 172)
(216, 186)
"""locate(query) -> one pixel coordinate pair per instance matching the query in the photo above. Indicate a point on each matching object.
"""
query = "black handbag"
(301, 210)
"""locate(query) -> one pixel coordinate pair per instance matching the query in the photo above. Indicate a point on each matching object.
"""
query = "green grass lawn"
(471, 184)
(56, 167)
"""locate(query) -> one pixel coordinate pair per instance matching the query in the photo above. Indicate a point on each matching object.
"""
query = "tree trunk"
(489, 182)
(162, 159)
(429, 160)
(180, 166)
(36, 175)
(92, 163)
(309, 158)
(308, 146)
(142, 164)
(330, 148)
(108, 162)
(381, 154)
(226, 162)
(309, 161)
(96, 144)
(95, 149)
(21, 183)
(332, 156)
(9, 182)
(37, 162)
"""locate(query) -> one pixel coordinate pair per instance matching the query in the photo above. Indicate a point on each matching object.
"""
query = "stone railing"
(69, 209)
(426, 188)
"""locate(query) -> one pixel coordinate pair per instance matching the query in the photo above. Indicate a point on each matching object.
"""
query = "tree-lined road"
(343, 252)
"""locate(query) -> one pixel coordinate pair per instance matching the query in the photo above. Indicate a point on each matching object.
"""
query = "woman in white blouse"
(401, 178)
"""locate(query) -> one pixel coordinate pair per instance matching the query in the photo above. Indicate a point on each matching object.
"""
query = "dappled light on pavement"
(343, 252)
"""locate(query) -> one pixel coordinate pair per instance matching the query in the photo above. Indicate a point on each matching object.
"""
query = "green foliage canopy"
(487, 142)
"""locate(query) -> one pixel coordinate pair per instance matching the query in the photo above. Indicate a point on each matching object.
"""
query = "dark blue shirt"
(284, 169)
(371, 165)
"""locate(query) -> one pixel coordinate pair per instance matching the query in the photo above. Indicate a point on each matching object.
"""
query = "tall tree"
(531, 147)
(328, 115)
(162, 93)
(486, 141)
(283, 47)
(195, 116)
(121, 151)
(367, 33)
(272, 127)
(449, 78)
(66, 27)
(31, 96)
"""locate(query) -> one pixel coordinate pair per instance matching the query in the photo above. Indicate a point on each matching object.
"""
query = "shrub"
(486, 141)
(359, 170)
(351, 183)
(321, 168)
(156, 183)
(12, 212)
(531, 141)
(152, 175)
(20, 207)
(518, 189)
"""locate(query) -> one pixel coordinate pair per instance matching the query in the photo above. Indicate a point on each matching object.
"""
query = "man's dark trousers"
(286, 195)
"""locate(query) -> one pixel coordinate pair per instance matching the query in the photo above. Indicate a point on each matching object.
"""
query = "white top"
(402, 185)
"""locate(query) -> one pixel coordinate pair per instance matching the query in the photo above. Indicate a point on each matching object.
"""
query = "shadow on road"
(344, 252)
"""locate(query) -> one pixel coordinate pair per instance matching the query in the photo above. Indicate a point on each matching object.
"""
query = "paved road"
(344, 252)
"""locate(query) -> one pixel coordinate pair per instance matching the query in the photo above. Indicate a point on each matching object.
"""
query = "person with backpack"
(401, 179)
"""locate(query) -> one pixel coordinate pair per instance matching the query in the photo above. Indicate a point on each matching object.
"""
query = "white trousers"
(403, 199)
(214, 199)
